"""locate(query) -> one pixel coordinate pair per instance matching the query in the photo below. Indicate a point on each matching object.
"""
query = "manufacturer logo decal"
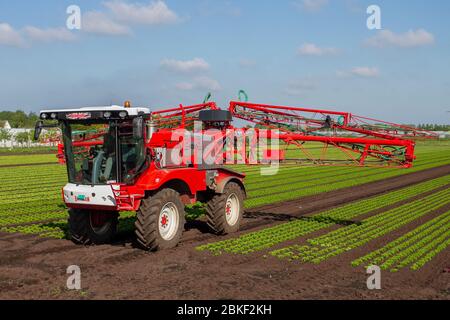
(78, 116)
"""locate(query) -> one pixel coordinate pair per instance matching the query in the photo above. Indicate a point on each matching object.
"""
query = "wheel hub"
(168, 221)
(164, 221)
(232, 209)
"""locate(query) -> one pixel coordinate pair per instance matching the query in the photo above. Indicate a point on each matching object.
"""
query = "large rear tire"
(224, 212)
(160, 221)
(92, 227)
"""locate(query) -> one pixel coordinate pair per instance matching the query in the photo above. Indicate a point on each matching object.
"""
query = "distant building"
(5, 125)
(443, 134)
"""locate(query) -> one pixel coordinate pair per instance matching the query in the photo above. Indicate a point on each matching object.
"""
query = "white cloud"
(409, 39)
(10, 37)
(310, 49)
(49, 35)
(185, 66)
(200, 83)
(365, 72)
(311, 5)
(368, 72)
(114, 22)
(154, 13)
(100, 23)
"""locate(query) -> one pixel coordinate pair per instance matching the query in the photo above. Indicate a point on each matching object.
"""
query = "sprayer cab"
(102, 145)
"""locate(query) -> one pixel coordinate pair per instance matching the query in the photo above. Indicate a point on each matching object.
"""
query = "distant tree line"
(19, 119)
(434, 127)
(428, 127)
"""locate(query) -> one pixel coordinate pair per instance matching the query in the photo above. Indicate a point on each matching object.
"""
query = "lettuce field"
(402, 226)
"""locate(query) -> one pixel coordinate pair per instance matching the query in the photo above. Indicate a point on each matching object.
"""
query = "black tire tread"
(81, 232)
(146, 225)
(215, 208)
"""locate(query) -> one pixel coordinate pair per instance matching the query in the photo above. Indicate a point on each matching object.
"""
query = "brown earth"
(35, 268)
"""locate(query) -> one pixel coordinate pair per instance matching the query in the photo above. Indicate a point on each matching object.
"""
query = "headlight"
(53, 116)
(107, 114)
(123, 114)
(44, 116)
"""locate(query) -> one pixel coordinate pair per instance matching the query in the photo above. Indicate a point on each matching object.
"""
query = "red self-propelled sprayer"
(155, 162)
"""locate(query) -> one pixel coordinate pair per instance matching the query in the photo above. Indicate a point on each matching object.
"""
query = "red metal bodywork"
(377, 143)
(181, 117)
(189, 176)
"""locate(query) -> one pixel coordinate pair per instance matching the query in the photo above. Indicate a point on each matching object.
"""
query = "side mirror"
(38, 130)
(138, 128)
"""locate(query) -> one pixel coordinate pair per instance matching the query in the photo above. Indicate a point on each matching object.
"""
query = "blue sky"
(311, 53)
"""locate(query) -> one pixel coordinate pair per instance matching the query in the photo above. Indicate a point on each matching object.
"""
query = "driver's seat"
(108, 168)
(97, 171)
(97, 166)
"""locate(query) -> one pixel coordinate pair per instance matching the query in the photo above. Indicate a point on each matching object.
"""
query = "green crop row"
(17, 175)
(356, 235)
(294, 191)
(422, 148)
(35, 206)
(33, 192)
(24, 190)
(414, 248)
(254, 172)
(259, 188)
(58, 229)
(27, 190)
(35, 196)
(287, 171)
(31, 218)
(311, 171)
(31, 172)
(269, 237)
(56, 180)
(55, 228)
(26, 159)
(39, 208)
(28, 193)
(33, 180)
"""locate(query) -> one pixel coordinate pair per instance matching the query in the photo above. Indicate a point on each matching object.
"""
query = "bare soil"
(35, 268)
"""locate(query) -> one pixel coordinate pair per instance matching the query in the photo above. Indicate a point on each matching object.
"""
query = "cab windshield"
(102, 152)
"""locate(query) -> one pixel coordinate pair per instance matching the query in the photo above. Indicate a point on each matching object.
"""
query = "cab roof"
(134, 111)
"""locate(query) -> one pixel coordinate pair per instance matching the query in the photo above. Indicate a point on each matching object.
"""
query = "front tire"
(160, 221)
(92, 227)
(224, 212)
